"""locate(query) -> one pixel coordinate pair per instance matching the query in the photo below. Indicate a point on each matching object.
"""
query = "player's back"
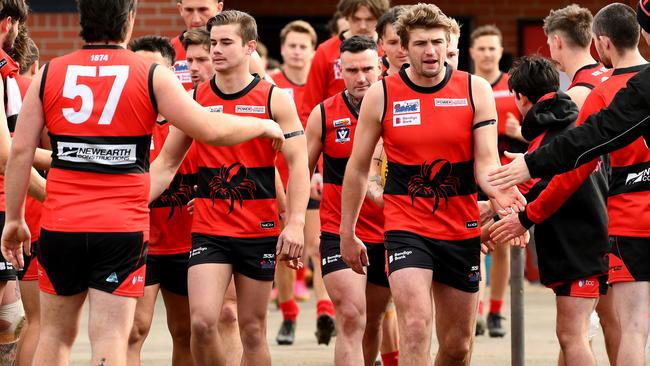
(100, 110)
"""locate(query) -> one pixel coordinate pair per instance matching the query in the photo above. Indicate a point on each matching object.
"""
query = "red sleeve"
(562, 186)
(316, 87)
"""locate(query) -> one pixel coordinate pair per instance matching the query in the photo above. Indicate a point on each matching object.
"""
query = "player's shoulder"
(332, 43)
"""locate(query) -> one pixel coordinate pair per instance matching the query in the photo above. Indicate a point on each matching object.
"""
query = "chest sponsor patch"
(342, 122)
(406, 106)
(214, 108)
(451, 102)
(104, 154)
(182, 71)
(342, 135)
(255, 109)
(406, 120)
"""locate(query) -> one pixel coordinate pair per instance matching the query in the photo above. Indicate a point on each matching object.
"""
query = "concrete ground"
(541, 344)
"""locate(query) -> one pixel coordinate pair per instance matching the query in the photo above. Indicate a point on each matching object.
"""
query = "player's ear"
(252, 46)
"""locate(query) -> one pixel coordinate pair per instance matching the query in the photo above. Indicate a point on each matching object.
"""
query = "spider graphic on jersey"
(433, 183)
(232, 183)
(178, 194)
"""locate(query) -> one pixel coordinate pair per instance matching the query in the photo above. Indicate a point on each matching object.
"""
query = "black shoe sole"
(325, 328)
(497, 335)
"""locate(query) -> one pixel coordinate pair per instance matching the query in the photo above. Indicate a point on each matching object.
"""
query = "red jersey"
(590, 75)
(33, 208)
(170, 222)
(100, 110)
(236, 196)
(181, 69)
(505, 102)
(296, 91)
(428, 137)
(8, 71)
(325, 75)
(628, 204)
(339, 120)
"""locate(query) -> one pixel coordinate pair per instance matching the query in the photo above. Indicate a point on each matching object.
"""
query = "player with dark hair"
(235, 228)
(95, 219)
(169, 239)
(571, 240)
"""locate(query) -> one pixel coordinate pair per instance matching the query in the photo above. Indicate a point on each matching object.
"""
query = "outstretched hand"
(509, 228)
(509, 175)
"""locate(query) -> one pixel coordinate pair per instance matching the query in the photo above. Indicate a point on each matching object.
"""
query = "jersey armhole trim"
(268, 102)
(586, 85)
(323, 124)
(41, 91)
(383, 113)
(152, 95)
(471, 95)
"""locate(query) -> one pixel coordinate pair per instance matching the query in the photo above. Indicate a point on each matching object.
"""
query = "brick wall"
(57, 34)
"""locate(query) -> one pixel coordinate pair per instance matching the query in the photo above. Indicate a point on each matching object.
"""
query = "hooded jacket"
(572, 243)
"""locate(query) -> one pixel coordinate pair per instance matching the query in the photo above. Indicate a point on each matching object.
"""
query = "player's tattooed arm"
(375, 189)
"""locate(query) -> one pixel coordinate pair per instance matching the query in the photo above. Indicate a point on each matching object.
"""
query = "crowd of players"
(371, 156)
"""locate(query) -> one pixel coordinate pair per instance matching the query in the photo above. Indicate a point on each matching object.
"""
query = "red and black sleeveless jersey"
(33, 208)
(8, 71)
(100, 110)
(628, 203)
(505, 102)
(296, 91)
(339, 121)
(428, 137)
(181, 69)
(236, 196)
(170, 222)
(590, 75)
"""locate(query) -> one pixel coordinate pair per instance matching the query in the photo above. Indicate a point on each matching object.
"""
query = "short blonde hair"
(299, 26)
(485, 30)
(455, 27)
(421, 16)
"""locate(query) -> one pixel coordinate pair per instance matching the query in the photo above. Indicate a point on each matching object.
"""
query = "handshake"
(500, 227)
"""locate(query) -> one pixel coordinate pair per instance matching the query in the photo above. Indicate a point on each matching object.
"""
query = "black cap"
(643, 14)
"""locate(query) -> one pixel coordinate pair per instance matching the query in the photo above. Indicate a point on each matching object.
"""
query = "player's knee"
(458, 351)
(568, 334)
(12, 319)
(203, 328)
(252, 334)
(416, 328)
(228, 314)
(179, 329)
(139, 332)
(350, 318)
